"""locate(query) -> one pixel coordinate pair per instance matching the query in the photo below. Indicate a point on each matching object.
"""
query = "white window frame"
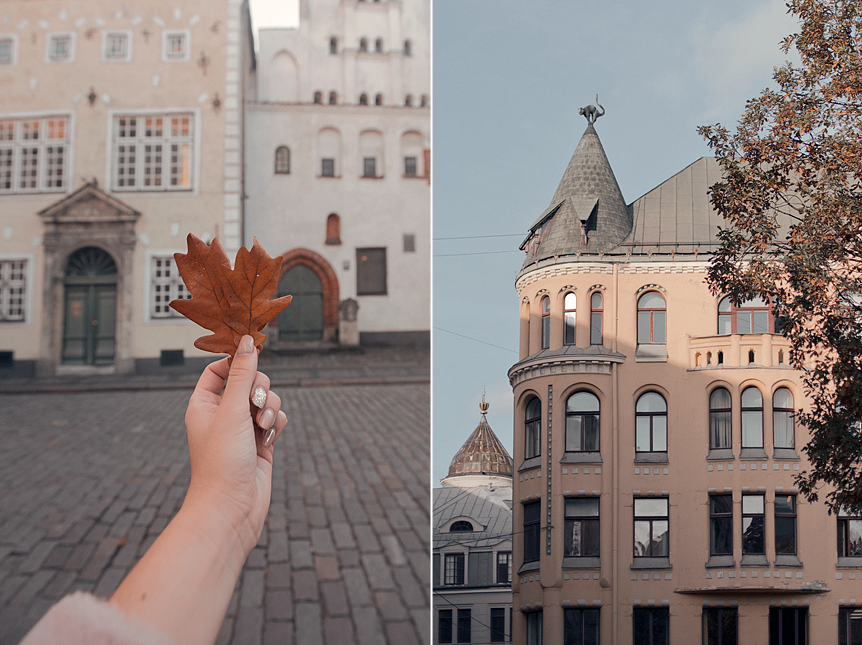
(166, 38)
(171, 316)
(13, 53)
(106, 35)
(18, 143)
(29, 286)
(195, 141)
(49, 48)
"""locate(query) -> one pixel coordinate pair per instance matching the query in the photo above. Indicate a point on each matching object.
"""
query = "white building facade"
(339, 181)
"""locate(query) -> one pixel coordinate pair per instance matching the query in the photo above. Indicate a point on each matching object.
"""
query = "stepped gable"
(588, 214)
(482, 454)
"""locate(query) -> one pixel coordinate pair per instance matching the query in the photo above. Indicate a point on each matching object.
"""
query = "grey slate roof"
(489, 508)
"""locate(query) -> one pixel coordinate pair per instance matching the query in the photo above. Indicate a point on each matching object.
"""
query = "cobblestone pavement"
(88, 480)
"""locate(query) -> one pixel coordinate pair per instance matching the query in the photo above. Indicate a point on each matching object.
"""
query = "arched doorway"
(89, 308)
(303, 318)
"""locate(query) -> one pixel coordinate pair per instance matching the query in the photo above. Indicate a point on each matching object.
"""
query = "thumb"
(243, 371)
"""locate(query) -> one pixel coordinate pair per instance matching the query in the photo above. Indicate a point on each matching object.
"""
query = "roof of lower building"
(488, 508)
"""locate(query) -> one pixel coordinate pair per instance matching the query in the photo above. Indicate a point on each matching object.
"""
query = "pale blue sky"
(509, 77)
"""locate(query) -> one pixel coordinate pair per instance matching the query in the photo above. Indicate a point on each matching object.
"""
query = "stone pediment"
(89, 204)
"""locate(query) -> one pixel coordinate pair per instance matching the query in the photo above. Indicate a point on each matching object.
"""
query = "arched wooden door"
(90, 307)
(303, 318)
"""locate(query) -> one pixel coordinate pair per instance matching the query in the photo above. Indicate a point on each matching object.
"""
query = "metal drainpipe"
(616, 458)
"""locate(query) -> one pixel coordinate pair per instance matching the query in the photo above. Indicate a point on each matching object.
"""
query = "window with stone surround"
(849, 535)
(782, 419)
(582, 422)
(720, 625)
(176, 45)
(581, 626)
(117, 46)
(532, 531)
(651, 527)
(650, 424)
(753, 525)
(453, 572)
(13, 290)
(720, 419)
(720, 525)
(61, 48)
(152, 152)
(785, 524)
(504, 567)
(596, 314)
(166, 285)
(652, 313)
(650, 626)
(34, 154)
(581, 537)
(752, 418)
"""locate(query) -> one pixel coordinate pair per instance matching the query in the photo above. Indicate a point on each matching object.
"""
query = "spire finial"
(483, 407)
(591, 112)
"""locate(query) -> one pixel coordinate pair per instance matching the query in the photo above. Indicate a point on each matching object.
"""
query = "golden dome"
(482, 453)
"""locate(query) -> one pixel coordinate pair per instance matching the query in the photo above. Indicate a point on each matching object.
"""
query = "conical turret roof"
(482, 453)
(588, 214)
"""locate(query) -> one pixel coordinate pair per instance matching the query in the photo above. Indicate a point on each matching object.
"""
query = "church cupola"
(482, 460)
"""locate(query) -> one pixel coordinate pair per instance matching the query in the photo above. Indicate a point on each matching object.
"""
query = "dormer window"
(460, 526)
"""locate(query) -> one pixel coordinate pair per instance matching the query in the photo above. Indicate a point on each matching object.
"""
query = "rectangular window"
(581, 538)
(849, 626)
(498, 625)
(60, 48)
(532, 531)
(369, 167)
(581, 626)
(34, 154)
(785, 524)
(453, 569)
(650, 626)
(721, 525)
(596, 311)
(153, 152)
(409, 243)
(788, 626)
(409, 166)
(651, 527)
(176, 45)
(849, 536)
(753, 522)
(371, 272)
(464, 625)
(719, 626)
(7, 50)
(13, 290)
(327, 167)
(444, 626)
(534, 628)
(117, 46)
(504, 567)
(166, 285)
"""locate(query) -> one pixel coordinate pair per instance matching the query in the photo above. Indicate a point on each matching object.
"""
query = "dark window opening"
(327, 167)
(371, 272)
(596, 311)
(532, 531)
(581, 537)
(721, 525)
(282, 160)
(650, 626)
(533, 429)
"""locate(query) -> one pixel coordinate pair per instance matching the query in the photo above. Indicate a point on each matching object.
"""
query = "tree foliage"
(792, 197)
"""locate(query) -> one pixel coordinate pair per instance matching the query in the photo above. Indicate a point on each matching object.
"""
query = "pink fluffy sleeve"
(83, 619)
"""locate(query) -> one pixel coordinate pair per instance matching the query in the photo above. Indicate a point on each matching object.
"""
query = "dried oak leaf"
(230, 302)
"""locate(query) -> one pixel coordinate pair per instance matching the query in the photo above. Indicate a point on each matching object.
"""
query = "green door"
(90, 308)
(303, 318)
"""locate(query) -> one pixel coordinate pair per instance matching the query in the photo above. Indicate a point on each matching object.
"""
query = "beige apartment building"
(121, 131)
(655, 443)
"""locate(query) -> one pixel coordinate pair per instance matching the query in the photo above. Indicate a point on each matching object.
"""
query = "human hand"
(231, 461)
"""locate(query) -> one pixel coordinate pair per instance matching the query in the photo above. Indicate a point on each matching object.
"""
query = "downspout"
(616, 465)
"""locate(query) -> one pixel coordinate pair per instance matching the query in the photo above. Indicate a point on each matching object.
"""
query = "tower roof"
(587, 214)
(482, 453)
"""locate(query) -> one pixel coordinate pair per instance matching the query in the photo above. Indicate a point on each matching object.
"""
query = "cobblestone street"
(88, 480)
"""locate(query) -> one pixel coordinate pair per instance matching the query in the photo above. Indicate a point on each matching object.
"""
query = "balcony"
(737, 351)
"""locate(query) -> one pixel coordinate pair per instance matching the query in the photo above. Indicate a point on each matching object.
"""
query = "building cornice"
(568, 360)
(563, 267)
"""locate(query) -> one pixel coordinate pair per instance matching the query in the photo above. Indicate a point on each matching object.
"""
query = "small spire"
(483, 407)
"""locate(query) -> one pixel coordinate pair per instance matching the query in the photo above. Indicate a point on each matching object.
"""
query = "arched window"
(651, 423)
(282, 160)
(651, 319)
(407, 50)
(460, 526)
(782, 419)
(363, 99)
(363, 44)
(378, 100)
(333, 229)
(752, 418)
(546, 322)
(378, 45)
(582, 422)
(533, 429)
(569, 315)
(596, 311)
(751, 317)
(423, 101)
(333, 45)
(408, 101)
(318, 97)
(719, 419)
(333, 98)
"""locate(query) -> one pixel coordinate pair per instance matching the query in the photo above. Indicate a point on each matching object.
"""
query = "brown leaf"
(230, 302)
